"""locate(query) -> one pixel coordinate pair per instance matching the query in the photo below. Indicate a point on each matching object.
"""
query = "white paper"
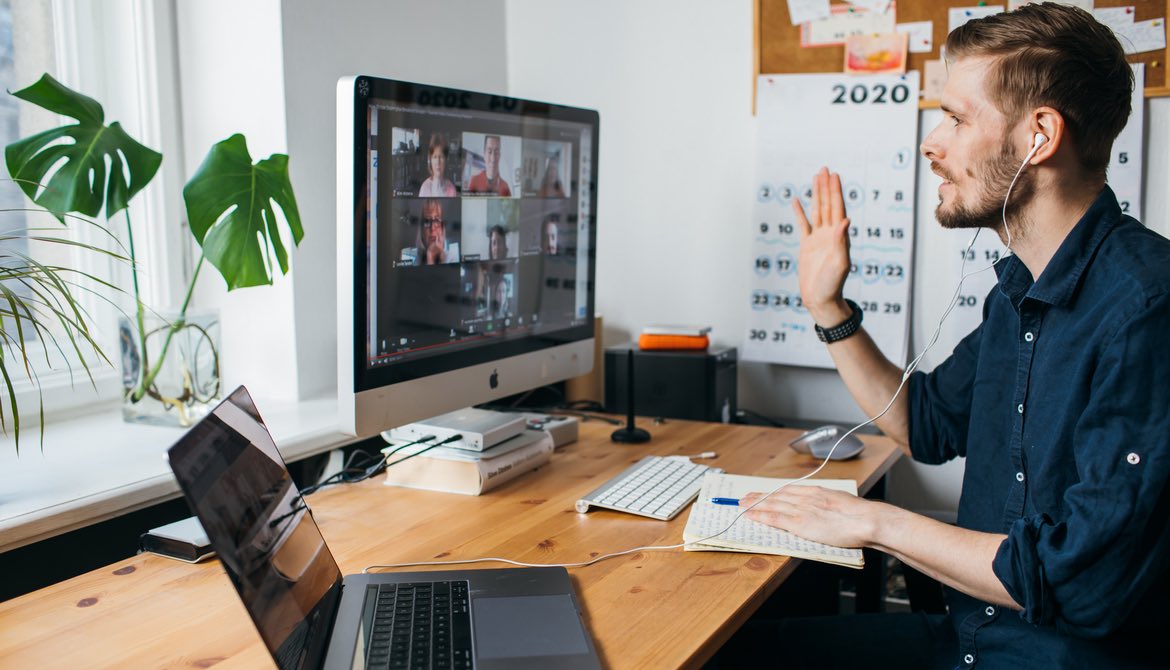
(802, 11)
(921, 36)
(934, 79)
(879, 6)
(1127, 162)
(1115, 17)
(842, 24)
(1086, 5)
(1142, 36)
(957, 16)
(866, 129)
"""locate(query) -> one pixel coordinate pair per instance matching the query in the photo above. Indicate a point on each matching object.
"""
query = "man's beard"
(995, 177)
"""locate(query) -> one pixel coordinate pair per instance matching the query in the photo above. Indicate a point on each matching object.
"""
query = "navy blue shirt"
(1060, 401)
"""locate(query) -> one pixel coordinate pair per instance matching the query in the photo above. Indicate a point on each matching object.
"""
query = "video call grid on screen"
(475, 228)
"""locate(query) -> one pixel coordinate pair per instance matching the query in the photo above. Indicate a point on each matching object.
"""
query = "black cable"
(759, 417)
(566, 409)
(351, 472)
(454, 438)
(584, 405)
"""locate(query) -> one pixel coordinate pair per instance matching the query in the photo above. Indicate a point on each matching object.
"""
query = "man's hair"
(1056, 56)
(490, 137)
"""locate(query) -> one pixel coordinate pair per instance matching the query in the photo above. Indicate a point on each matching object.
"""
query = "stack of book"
(495, 448)
(666, 338)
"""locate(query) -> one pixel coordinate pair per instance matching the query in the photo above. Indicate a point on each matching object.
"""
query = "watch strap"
(843, 330)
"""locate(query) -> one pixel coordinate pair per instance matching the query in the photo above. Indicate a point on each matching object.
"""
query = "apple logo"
(494, 380)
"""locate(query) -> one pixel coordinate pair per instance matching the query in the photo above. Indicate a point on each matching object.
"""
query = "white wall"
(449, 43)
(231, 80)
(673, 84)
(269, 69)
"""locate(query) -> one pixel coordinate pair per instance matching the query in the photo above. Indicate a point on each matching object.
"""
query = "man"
(1058, 400)
(500, 302)
(489, 180)
(497, 243)
(432, 247)
(548, 235)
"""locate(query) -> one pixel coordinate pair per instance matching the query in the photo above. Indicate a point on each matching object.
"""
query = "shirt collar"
(1059, 280)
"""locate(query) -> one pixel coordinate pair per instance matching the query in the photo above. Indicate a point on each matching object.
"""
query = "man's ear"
(1049, 123)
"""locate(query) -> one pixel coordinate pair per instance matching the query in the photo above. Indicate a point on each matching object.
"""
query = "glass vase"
(186, 385)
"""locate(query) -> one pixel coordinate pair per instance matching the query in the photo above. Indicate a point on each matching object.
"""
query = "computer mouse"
(819, 441)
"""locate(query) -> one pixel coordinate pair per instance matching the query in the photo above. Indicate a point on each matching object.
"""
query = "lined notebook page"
(707, 519)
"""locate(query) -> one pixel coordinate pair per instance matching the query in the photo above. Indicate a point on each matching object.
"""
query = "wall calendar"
(865, 129)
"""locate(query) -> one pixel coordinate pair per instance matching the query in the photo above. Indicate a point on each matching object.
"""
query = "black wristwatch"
(840, 332)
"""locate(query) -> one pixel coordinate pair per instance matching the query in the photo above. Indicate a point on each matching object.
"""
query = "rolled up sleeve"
(1085, 569)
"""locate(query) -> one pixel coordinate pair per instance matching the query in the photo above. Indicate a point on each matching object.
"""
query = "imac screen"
(474, 230)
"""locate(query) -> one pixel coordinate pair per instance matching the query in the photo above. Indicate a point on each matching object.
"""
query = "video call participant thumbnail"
(437, 185)
(432, 246)
(550, 235)
(489, 179)
(497, 243)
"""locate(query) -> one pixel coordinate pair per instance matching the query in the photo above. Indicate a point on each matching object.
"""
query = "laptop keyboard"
(421, 625)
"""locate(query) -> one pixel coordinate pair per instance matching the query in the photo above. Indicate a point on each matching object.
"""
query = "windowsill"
(96, 467)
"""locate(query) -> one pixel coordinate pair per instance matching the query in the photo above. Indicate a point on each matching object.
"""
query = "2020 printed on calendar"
(866, 129)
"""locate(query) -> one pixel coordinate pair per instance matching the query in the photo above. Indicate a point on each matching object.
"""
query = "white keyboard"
(656, 486)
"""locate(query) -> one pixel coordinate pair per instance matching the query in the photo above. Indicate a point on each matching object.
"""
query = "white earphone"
(1038, 142)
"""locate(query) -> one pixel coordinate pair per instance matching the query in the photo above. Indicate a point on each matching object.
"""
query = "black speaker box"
(697, 385)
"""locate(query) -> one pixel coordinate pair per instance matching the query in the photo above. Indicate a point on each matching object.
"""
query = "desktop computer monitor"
(466, 236)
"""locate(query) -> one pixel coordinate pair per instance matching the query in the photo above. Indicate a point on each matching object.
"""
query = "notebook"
(707, 519)
(309, 616)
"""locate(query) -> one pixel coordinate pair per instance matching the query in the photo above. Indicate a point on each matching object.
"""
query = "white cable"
(913, 365)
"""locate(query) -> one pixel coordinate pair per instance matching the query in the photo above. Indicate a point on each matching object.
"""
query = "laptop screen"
(236, 482)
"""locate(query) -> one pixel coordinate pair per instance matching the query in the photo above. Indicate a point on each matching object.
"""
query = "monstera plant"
(88, 168)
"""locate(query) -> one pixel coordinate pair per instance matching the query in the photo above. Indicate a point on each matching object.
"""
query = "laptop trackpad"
(525, 626)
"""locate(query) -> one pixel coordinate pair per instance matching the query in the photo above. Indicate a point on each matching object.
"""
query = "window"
(113, 52)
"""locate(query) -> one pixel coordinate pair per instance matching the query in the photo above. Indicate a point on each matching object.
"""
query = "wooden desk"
(654, 609)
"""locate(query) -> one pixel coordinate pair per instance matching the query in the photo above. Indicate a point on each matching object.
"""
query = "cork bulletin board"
(778, 49)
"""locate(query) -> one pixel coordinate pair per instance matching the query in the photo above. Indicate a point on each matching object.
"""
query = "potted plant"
(88, 167)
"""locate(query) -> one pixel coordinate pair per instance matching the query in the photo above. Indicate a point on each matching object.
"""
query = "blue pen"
(734, 502)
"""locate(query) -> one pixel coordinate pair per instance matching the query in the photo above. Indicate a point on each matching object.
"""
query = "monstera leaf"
(229, 208)
(70, 162)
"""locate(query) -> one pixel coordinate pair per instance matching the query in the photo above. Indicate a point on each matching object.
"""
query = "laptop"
(309, 616)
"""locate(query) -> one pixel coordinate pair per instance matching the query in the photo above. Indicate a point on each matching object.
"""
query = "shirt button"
(1019, 476)
(1028, 337)
(968, 659)
(990, 611)
(1020, 408)
(1133, 459)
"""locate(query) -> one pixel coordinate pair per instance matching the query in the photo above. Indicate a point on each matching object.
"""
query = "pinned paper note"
(844, 22)
(921, 36)
(957, 16)
(1086, 5)
(1142, 36)
(875, 54)
(803, 11)
(934, 78)
(1115, 17)
(879, 6)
